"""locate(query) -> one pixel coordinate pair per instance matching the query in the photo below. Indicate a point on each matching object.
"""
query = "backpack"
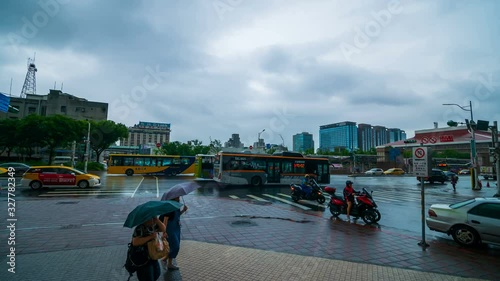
(137, 256)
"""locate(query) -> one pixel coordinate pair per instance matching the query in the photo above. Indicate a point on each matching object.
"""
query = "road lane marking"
(257, 198)
(234, 196)
(137, 188)
(287, 202)
(82, 194)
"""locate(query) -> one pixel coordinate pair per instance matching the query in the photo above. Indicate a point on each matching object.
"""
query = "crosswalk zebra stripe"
(257, 198)
(287, 202)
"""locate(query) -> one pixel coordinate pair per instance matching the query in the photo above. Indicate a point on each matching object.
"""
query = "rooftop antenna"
(62, 83)
(54, 85)
(29, 86)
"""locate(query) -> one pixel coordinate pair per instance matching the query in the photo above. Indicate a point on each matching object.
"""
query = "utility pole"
(496, 151)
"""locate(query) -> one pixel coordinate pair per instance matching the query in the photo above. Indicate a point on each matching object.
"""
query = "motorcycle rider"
(307, 185)
(349, 193)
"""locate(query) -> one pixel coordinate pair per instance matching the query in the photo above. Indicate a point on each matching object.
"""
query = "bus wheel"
(129, 172)
(256, 181)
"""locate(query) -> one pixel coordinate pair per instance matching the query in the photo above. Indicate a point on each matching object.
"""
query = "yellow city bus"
(204, 166)
(154, 165)
(259, 169)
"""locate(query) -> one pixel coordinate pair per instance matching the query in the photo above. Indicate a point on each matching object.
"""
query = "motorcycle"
(299, 193)
(364, 206)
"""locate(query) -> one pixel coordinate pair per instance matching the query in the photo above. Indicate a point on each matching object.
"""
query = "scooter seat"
(330, 190)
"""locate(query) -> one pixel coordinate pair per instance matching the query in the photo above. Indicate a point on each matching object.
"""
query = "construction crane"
(29, 86)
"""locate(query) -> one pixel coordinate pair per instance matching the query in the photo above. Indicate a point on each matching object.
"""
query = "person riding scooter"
(307, 185)
(349, 194)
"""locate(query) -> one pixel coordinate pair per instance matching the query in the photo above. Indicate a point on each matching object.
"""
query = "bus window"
(139, 161)
(286, 167)
(127, 161)
(185, 161)
(176, 161)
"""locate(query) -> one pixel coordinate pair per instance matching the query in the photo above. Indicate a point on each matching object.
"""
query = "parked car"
(20, 168)
(394, 171)
(54, 176)
(450, 174)
(464, 172)
(469, 222)
(374, 171)
(436, 176)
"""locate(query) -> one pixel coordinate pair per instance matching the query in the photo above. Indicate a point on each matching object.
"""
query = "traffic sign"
(421, 161)
(158, 144)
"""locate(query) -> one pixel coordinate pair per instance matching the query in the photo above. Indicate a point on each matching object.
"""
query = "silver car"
(470, 222)
(375, 171)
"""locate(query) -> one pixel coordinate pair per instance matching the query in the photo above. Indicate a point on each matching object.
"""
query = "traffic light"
(410, 141)
(452, 123)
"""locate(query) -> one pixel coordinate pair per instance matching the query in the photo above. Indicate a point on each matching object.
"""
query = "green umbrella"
(149, 210)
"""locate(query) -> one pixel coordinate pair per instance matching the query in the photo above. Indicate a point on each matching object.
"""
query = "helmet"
(348, 182)
(306, 176)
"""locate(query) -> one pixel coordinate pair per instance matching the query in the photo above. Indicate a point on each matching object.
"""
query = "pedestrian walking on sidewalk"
(172, 222)
(144, 233)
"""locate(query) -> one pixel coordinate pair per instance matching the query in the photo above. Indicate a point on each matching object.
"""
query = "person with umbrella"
(147, 225)
(172, 222)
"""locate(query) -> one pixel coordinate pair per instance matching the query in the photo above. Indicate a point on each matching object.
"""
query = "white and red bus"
(259, 169)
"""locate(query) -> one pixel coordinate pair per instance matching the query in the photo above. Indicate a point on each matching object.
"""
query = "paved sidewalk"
(207, 261)
(226, 239)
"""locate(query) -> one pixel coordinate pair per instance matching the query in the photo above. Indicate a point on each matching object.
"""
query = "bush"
(91, 166)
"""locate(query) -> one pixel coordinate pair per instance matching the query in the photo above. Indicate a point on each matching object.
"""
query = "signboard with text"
(422, 161)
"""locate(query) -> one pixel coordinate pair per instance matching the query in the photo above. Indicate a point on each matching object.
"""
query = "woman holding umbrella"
(144, 233)
(172, 222)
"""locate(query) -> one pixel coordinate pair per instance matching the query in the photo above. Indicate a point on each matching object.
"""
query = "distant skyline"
(214, 68)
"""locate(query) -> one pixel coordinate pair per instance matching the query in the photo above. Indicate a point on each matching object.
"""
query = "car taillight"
(432, 213)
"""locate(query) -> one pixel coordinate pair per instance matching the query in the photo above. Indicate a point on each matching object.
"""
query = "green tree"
(8, 138)
(103, 134)
(60, 131)
(31, 134)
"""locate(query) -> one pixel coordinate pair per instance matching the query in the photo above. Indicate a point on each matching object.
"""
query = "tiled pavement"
(224, 239)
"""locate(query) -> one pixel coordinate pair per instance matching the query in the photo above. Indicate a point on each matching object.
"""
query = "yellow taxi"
(54, 176)
(394, 171)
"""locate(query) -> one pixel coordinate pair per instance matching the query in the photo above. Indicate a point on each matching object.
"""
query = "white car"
(374, 171)
(470, 222)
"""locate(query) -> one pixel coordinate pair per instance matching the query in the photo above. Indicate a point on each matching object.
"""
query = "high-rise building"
(303, 142)
(234, 141)
(147, 134)
(379, 135)
(343, 135)
(395, 134)
(365, 137)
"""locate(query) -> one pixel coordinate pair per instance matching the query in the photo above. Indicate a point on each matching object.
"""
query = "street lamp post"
(258, 137)
(87, 150)
(473, 141)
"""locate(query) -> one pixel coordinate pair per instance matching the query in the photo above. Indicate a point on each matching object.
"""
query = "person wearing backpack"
(144, 233)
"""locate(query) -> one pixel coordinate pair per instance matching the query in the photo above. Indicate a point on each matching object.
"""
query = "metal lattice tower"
(29, 86)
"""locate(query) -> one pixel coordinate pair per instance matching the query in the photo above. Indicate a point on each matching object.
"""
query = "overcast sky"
(212, 68)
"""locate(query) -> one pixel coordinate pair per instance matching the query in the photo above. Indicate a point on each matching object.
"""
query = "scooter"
(364, 206)
(299, 193)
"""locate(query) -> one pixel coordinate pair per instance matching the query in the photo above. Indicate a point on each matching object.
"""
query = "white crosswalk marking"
(287, 202)
(257, 198)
